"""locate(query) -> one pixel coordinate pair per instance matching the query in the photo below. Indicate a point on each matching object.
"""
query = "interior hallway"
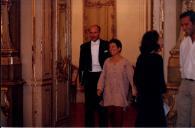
(45, 39)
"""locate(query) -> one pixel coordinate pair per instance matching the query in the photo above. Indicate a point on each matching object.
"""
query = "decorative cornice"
(99, 3)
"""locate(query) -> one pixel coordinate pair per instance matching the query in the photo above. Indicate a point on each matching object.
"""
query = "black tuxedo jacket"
(85, 61)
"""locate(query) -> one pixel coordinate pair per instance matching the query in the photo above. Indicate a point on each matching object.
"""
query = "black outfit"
(150, 83)
(89, 80)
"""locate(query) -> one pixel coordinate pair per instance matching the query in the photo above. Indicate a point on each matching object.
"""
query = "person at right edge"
(150, 83)
(185, 99)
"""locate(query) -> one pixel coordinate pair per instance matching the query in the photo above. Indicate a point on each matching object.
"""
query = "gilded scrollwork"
(162, 17)
(5, 106)
(5, 37)
(63, 46)
(187, 5)
(62, 69)
(99, 3)
(169, 99)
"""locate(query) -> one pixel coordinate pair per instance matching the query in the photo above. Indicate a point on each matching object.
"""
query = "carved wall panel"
(14, 18)
(42, 63)
(103, 13)
(11, 78)
(62, 60)
(47, 40)
(37, 61)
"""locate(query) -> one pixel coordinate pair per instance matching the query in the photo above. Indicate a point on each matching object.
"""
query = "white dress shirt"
(187, 58)
(95, 56)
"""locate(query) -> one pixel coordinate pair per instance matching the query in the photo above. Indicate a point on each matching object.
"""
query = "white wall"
(77, 29)
(131, 24)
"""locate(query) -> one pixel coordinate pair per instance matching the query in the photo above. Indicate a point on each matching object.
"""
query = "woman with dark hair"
(150, 83)
(114, 83)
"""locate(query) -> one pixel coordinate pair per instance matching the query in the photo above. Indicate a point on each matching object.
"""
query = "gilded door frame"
(62, 60)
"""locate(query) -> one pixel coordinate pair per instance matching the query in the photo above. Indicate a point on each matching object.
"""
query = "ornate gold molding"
(5, 106)
(162, 19)
(99, 3)
(187, 5)
(6, 44)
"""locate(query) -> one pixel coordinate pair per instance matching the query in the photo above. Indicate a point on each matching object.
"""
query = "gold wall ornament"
(5, 37)
(99, 3)
(162, 19)
(161, 24)
(9, 55)
(62, 61)
(102, 13)
(5, 106)
(11, 76)
(187, 5)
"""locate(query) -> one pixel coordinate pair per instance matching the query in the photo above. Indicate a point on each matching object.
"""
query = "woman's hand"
(99, 92)
(134, 91)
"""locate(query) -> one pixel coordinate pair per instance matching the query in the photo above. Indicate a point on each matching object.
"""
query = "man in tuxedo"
(92, 57)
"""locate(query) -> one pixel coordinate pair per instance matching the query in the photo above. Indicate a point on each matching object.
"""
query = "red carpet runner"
(77, 116)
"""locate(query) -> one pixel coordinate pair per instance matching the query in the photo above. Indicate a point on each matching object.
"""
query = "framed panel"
(103, 13)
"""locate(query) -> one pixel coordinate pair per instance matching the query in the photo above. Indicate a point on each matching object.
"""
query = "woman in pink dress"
(114, 83)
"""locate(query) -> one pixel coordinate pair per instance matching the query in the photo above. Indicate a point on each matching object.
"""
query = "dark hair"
(149, 42)
(189, 13)
(117, 42)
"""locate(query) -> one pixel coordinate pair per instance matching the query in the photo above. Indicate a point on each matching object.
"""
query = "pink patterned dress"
(115, 81)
